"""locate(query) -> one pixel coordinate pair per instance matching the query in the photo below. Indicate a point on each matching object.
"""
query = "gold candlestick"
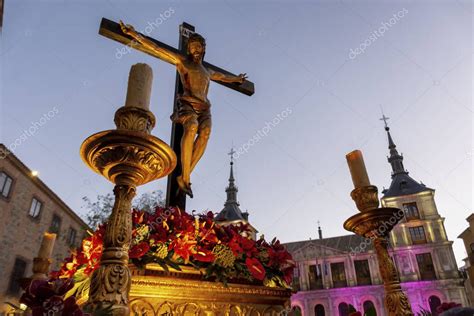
(40, 268)
(376, 223)
(128, 156)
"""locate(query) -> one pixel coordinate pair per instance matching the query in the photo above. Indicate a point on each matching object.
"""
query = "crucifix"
(191, 111)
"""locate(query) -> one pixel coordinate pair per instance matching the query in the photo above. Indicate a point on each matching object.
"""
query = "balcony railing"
(364, 281)
(316, 285)
(339, 283)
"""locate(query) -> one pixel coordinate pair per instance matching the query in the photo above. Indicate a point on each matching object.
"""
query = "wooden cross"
(112, 30)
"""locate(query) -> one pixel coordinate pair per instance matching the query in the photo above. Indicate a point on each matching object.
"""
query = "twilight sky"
(322, 70)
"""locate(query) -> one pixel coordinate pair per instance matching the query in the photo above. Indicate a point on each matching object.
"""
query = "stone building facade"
(29, 208)
(468, 238)
(335, 273)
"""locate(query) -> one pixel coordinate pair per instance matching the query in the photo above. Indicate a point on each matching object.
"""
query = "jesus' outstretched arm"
(217, 76)
(159, 52)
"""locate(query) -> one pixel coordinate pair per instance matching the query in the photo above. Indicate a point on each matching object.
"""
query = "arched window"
(343, 309)
(319, 310)
(434, 302)
(369, 309)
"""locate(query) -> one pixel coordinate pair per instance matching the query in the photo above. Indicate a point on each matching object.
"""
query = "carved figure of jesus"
(194, 109)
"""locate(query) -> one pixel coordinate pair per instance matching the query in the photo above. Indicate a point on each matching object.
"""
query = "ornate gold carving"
(396, 300)
(142, 307)
(134, 119)
(128, 154)
(366, 198)
(110, 284)
(171, 295)
(119, 228)
(128, 157)
(377, 224)
(386, 266)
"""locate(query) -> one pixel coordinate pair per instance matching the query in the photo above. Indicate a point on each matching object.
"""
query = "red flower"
(204, 255)
(138, 217)
(189, 239)
(256, 268)
(239, 245)
(248, 245)
(139, 250)
(288, 275)
(183, 247)
(235, 247)
(279, 258)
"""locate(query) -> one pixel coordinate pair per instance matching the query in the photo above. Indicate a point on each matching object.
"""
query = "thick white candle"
(359, 175)
(47, 245)
(139, 86)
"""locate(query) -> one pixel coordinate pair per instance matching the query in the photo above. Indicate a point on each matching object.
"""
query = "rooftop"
(346, 243)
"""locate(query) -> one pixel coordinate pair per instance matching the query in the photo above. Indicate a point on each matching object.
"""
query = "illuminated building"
(334, 273)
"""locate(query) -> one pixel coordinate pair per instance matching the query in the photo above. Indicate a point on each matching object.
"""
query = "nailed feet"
(185, 187)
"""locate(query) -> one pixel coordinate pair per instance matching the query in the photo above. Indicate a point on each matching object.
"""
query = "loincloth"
(200, 113)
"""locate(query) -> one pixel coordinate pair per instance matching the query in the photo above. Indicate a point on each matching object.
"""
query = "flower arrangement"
(173, 238)
(46, 297)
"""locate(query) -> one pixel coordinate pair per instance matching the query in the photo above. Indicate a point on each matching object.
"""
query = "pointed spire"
(320, 231)
(231, 177)
(231, 190)
(395, 159)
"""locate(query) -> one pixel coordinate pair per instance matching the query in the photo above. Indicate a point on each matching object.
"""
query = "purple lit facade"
(334, 273)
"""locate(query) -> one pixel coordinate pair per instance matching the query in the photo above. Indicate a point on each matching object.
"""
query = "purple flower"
(46, 297)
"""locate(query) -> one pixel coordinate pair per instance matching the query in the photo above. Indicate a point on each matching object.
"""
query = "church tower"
(231, 213)
(421, 247)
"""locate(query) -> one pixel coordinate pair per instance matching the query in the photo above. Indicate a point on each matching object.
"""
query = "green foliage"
(149, 201)
(98, 211)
